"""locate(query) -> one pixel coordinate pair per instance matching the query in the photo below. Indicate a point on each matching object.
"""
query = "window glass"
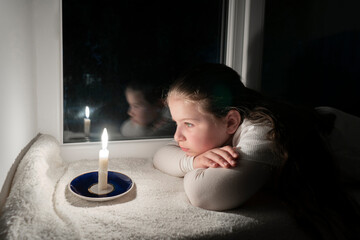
(135, 47)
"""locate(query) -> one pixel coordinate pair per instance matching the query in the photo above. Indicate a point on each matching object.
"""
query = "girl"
(231, 141)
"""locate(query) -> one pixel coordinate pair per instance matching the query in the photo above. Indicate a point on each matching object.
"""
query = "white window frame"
(245, 27)
(245, 40)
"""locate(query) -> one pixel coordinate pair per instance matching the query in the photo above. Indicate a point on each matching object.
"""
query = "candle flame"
(104, 139)
(87, 112)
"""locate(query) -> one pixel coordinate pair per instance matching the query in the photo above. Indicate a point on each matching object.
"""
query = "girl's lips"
(184, 149)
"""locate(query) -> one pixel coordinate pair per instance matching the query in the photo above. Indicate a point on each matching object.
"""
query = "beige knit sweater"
(220, 188)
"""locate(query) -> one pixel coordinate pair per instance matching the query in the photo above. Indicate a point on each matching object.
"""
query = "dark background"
(312, 52)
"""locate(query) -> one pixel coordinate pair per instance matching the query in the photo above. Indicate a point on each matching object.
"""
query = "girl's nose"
(178, 136)
(130, 112)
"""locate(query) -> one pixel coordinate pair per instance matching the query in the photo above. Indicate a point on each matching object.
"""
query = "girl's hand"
(217, 157)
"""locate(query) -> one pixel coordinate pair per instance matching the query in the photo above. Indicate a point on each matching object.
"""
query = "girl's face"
(140, 111)
(197, 131)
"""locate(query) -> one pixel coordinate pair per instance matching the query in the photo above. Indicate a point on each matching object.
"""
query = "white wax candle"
(103, 169)
(87, 122)
(103, 163)
(87, 126)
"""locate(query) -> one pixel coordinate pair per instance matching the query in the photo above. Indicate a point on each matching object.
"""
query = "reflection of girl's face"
(141, 111)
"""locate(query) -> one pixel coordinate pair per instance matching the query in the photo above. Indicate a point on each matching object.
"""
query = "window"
(111, 45)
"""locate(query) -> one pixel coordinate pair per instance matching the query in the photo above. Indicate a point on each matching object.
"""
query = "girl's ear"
(233, 120)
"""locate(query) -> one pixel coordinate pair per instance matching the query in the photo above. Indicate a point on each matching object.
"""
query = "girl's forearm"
(225, 188)
(171, 160)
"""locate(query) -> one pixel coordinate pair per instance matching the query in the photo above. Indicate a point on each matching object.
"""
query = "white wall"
(48, 68)
(245, 40)
(18, 112)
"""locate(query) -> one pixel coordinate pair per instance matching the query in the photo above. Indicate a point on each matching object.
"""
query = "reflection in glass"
(87, 122)
(147, 114)
(113, 51)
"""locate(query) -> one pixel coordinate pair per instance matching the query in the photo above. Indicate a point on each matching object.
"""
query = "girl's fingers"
(219, 157)
(209, 163)
(213, 164)
(231, 150)
(225, 157)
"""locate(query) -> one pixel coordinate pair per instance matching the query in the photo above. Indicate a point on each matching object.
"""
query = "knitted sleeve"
(252, 144)
(224, 188)
(172, 160)
(221, 188)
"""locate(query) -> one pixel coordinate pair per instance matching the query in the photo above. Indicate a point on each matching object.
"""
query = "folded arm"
(225, 188)
(171, 160)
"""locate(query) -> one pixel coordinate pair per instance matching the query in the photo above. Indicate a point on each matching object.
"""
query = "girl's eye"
(135, 106)
(189, 124)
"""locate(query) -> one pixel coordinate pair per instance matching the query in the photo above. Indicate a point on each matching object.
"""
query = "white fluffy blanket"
(40, 206)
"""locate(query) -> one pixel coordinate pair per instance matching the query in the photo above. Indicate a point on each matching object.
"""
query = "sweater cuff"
(186, 164)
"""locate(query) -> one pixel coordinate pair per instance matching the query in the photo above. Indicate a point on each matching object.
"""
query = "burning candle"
(87, 122)
(103, 162)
